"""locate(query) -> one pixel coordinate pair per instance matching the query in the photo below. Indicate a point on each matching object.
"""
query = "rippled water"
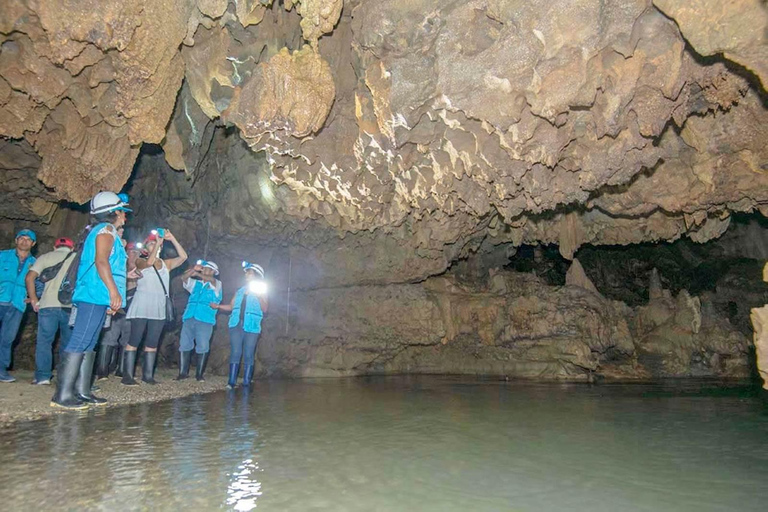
(425, 443)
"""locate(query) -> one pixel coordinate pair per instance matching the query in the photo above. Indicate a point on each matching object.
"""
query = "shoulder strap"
(161, 280)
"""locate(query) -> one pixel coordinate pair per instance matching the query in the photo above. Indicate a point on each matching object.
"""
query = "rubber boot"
(247, 375)
(114, 361)
(185, 356)
(105, 356)
(67, 371)
(120, 362)
(83, 387)
(129, 365)
(148, 368)
(234, 369)
(202, 361)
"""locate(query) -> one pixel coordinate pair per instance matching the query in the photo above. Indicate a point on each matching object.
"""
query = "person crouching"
(199, 316)
(248, 307)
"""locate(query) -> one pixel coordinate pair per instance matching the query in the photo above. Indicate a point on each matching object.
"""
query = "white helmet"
(212, 266)
(105, 202)
(252, 266)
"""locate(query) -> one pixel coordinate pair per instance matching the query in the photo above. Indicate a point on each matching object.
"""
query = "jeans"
(241, 341)
(195, 334)
(118, 333)
(49, 321)
(88, 325)
(11, 320)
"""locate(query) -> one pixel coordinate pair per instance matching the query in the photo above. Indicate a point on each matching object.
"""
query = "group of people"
(103, 288)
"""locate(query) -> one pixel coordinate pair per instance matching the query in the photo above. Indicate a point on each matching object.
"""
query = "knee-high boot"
(202, 362)
(234, 369)
(120, 362)
(84, 381)
(247, 374)
(185, 356)
(148, 368)
(68, 369)
(105, 356)
(129, 365)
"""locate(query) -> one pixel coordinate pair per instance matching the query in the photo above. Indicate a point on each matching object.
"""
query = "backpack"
(67, 288)
(50, 273)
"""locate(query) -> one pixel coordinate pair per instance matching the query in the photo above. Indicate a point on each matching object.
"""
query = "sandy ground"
(21, 400)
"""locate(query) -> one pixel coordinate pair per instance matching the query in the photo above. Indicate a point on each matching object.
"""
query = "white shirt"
(149, 301)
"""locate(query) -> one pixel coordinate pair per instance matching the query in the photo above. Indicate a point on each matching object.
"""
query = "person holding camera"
(149, 309)
(199, 317)
(52, 315)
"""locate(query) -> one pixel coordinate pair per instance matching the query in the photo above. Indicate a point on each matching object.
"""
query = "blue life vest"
(90, 288)
(13, 289)
(253, 313)
(199, 299)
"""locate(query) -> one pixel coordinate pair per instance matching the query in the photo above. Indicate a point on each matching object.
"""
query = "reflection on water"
(419, 443)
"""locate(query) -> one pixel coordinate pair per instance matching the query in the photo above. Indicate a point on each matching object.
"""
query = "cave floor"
(21, 400)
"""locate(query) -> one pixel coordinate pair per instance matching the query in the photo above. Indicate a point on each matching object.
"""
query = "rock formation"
(760, 323)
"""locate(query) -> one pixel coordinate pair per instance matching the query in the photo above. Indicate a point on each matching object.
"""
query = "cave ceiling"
(429, 127)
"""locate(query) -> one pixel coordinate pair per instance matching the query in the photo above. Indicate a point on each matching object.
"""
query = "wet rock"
(577, 277)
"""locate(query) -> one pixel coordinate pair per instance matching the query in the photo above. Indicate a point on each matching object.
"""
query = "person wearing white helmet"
(99, 291)
(248, 307)
(199, 317)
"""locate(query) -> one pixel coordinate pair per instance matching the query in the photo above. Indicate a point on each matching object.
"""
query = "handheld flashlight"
(139, 245)
(257, 287)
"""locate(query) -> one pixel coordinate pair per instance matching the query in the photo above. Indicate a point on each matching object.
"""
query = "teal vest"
(12, 287)
(90, 288)
(253, 313)
(198, 306)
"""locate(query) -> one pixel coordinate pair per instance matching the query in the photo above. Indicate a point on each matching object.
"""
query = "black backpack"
(50, 273)
(67, 288)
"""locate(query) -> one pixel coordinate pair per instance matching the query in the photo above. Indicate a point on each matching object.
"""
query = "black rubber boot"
(120, 362)
(247, 374)
(67, 371)
(185, 357)
(202, 361)
(105, 356)
(83, 386)
(234, 369)
(115, 360)
(148, 368)
(129, 365)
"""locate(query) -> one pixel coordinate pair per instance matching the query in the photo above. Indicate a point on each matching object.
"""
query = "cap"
(27, 232)
(64, 242)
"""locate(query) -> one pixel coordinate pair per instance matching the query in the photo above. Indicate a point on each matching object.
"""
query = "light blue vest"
(90, 288)
(198, 307)
(12, 287)
(253, 313)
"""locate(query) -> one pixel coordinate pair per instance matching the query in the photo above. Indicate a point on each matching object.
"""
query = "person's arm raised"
(179, 260)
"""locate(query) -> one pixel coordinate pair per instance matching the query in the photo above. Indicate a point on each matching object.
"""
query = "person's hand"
(35, 305)
(115, 301)
(169, 236)
(134, 274)
(214, 305)
(198, 268)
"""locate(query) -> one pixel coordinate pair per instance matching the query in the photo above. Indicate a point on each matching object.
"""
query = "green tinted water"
(420, 443)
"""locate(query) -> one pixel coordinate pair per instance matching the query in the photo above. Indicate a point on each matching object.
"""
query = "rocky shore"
(21, 401)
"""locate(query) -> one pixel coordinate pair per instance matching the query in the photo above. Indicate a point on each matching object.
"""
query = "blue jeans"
(88, 324)
(11, 319)
(49, 321)
(195, 334)
(239, 342)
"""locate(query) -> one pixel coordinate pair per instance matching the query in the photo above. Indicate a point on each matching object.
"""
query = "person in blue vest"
(199, 317)
(248, 307)
(14, 265)
(99, 291)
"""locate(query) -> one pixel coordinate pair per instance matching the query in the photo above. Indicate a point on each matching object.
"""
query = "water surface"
(404, 443)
